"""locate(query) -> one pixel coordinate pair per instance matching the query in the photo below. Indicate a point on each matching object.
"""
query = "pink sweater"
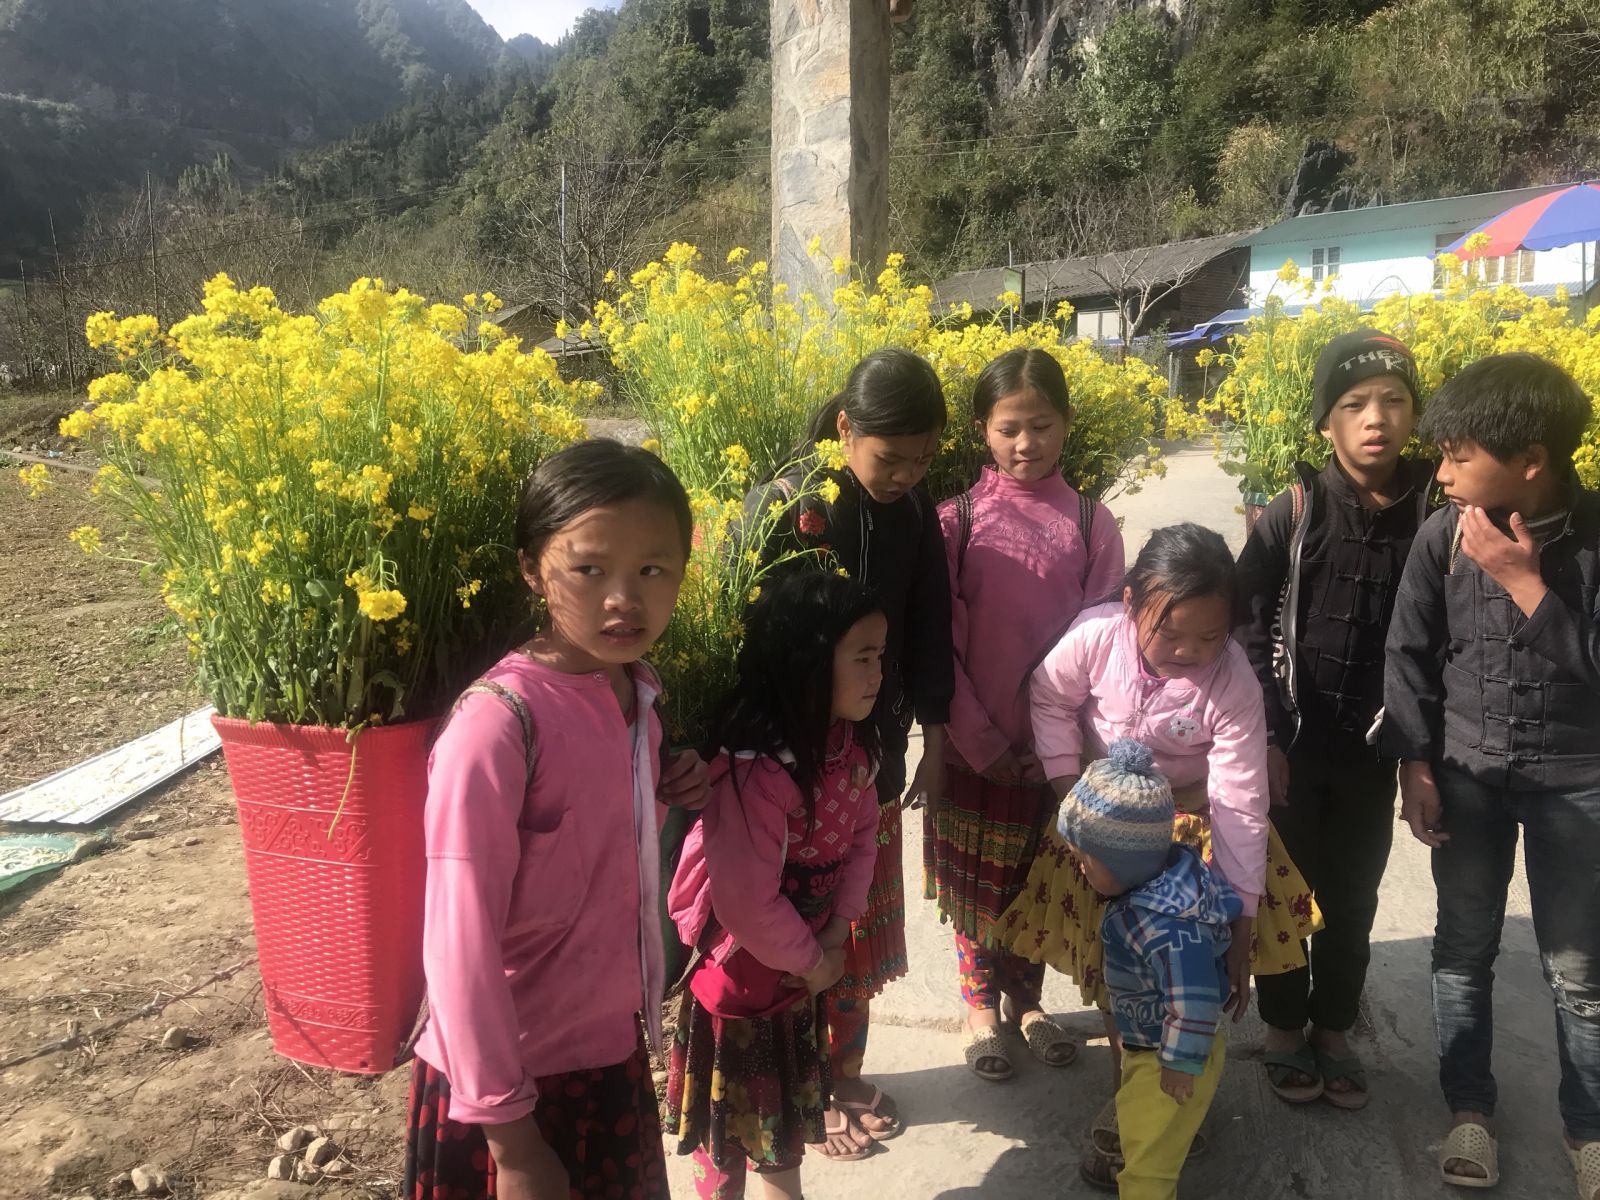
(1025, 575)
(540, 938)
(770, 880)
(1094, 687)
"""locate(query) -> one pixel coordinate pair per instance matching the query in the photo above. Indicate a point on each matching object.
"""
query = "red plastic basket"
(337, 903)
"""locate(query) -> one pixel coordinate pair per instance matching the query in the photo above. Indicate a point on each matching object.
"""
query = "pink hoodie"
(1025, 575)
(749, 852)
(1094, 687)
(541, 939)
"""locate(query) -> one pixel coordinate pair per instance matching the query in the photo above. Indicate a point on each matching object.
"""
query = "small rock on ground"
(149, 1179)
(176, 1038)
(321, 1151)
(282, 1167)
(296, 1139)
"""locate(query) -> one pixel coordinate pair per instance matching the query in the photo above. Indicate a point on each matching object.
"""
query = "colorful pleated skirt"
(748, 1088)
(978, 844)
(876, 951)
(604, 1125)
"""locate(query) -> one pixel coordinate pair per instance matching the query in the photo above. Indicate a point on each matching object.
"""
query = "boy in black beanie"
(1317, 583)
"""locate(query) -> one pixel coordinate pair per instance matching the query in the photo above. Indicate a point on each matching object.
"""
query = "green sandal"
(1281, 1064)
(1350, 1068)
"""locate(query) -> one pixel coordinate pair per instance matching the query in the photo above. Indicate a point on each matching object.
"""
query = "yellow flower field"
(331, 496)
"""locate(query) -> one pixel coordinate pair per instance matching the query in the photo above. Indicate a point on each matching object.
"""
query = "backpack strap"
(518, 707)
(964, 527)
(1455, 549)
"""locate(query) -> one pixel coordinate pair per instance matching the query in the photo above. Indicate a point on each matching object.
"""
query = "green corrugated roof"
(1461, 211)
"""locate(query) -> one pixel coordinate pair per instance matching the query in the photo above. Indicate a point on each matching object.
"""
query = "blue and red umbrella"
(1560, 218)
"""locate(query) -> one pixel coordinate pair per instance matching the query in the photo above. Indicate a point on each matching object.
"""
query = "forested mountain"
(95, 92)
(1025, 127)
(1034, 126)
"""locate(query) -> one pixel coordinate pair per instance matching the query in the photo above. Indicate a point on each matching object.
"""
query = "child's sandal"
(1100, 1170)
(986, 1054)
(1470, 1143)
(1586, 1167)
(1048, 1042)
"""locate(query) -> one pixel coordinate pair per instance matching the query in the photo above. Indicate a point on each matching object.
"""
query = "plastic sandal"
(1302, 1059)
(1350, 1068)
(1043, 1035)
(840, 1130)
(1472, 1143)
(1103, 1132)
(1586, 1166)
(871, 1106)
(1100, 1170)
(986, 1045)
(1107, 1141)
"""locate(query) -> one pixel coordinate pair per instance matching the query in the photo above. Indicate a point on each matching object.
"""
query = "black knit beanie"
(1355, 356)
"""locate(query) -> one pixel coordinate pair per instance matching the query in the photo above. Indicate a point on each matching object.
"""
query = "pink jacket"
(541, 939)
(731, 877)
(1024, 577)
(1094, 687)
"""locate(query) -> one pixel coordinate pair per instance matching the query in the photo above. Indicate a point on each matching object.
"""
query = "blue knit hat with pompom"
(1120, 811)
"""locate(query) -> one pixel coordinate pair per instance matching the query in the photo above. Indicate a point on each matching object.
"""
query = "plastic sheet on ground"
(83, 793)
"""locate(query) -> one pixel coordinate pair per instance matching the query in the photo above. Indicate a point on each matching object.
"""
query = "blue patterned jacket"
(1165, 943)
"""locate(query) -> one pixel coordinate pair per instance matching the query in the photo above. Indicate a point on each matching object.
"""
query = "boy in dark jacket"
(1492, 701)
(1318, 577)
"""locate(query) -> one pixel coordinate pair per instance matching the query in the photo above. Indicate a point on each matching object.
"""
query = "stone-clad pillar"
(830, 137)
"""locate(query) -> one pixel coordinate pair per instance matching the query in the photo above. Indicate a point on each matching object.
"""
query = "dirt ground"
(88, 660)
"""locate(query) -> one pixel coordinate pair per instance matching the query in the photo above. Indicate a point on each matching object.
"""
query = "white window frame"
(1325, 262)
(1099, 324)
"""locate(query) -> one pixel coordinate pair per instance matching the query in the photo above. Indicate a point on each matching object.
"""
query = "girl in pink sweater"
(1025, 553)
(541, 939)
(769, 882)
(1158, 665)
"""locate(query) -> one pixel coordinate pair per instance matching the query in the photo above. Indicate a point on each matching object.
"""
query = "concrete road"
(967, 1139)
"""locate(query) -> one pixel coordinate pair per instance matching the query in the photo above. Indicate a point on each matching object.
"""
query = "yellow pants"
(1156, 1130)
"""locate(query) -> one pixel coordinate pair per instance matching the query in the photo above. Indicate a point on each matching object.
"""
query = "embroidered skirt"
(876, 951)
(748, 1088)
(603, 1124)
(978, 843)
(1056, 918)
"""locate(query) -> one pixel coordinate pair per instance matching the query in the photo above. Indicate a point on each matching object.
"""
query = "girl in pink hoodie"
(769, 882)
(541, 936)
(1025, 552)
(1158, 665)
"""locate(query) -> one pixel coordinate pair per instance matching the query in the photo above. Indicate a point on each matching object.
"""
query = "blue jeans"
(1561, 854)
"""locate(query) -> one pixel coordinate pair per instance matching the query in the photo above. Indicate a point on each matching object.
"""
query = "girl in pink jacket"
(769, 882)
(1025, 552)
(541, 939)
(1158, 665)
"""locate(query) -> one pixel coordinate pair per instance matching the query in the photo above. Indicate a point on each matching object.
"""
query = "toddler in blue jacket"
(1166, 934)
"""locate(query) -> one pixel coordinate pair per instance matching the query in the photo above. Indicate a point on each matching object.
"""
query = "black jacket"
(1473, 684)
(897, 550)
(1333, 578)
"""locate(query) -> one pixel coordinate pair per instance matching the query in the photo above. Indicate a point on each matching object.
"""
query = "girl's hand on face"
(685, 783)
